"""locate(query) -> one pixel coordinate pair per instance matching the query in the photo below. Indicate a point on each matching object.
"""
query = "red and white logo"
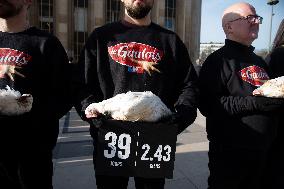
(140, 56)
(10, 60)
(254, 75)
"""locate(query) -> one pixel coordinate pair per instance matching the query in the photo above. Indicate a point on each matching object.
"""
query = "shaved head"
(237, 25)
(235, 11)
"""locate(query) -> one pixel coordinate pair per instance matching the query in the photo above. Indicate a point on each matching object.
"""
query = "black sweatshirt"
(276, 62)
(109, 65)
(42, 70)
(233, 116)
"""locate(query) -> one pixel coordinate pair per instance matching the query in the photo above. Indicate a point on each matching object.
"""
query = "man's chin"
(254, 35)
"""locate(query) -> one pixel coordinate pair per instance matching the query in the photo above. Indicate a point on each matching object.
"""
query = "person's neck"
(140, 22)
(14, 24)
(245, 43)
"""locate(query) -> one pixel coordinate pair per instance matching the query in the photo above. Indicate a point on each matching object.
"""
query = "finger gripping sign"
(136, 149)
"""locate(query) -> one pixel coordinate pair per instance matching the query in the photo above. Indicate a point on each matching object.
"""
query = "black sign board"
(136, 149)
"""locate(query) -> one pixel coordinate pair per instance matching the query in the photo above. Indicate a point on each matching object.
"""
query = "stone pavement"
(73, 167)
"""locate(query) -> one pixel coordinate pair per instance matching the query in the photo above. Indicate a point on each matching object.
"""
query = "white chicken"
(271, 88)
(131, 106)
(13, 103)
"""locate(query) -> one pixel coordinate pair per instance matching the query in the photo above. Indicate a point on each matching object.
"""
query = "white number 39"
(123, 144)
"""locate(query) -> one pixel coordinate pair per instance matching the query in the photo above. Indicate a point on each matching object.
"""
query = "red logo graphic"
(140, 56)
(10, 60)
(254, 75)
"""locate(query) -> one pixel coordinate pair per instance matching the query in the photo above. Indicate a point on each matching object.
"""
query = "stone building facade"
(73, 20)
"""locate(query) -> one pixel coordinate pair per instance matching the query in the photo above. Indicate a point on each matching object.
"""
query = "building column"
(188, 19)
(195, 29)
(33, 14)
(180, 18)
(96, 14)
(158, 13)
(61, 21)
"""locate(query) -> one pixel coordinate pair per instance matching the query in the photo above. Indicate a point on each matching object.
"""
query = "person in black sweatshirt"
(240, 126)
(111, 63)
(32, 62)
(274, 174)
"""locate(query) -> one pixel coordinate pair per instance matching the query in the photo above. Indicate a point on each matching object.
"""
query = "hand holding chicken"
(271, 88)
(13, 103)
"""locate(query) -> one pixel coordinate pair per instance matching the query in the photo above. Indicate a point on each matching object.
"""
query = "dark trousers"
(235, 168)
(274, 172)
(26, 170)
(111, 182)
(26, 144)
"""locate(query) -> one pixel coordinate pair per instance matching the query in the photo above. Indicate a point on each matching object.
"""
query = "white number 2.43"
(158, 153)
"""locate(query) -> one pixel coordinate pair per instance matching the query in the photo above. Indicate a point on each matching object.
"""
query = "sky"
(211, 25)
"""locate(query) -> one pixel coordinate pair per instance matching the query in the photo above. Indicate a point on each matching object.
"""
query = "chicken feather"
(13, 103)
(131, 106)
(271, 88)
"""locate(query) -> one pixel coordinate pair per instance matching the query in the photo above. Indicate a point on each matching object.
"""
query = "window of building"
(46, 15)
(112, 10)
(170, 14)
(80, 26)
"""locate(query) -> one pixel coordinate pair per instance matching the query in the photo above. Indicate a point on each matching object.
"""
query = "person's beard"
(8, 10)
(138, 12)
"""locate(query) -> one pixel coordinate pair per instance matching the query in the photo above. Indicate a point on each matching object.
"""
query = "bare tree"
(204, 54)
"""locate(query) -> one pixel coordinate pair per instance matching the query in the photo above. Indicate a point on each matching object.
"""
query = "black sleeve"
(59, 89)
(215, 99)
(186, 105)
(84, 78)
